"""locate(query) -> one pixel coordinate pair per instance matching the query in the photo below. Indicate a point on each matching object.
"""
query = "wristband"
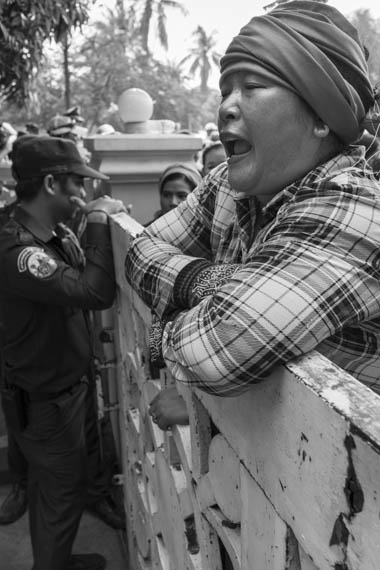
(100, 216)
(208, 281)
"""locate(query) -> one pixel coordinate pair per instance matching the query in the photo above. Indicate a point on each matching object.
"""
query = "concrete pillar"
(134, 163)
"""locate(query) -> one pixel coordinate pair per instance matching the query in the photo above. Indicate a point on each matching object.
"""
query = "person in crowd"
(46, 293)
(212, 133)
(7, 137)
(168, 408)
(105, 129)
(7, 196)
(61, 126)
(32, 129)
(276, 252)
(74, 114)
(212, 155)
(68, 127)
(175, 184)
(79, 131)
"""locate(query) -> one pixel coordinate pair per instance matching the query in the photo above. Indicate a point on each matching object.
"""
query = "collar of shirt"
(40, 231)
(351, 158)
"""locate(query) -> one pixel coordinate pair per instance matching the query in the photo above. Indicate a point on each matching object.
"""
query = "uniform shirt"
(45, 289)
(308, 277)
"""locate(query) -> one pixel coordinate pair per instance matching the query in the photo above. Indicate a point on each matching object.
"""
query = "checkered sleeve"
(308, 280)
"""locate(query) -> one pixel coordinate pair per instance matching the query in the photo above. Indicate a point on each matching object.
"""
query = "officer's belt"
(46, 396)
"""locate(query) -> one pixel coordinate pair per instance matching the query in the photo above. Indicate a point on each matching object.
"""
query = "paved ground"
(93, 536)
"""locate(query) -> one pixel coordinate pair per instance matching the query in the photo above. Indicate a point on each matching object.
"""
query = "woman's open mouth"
(235, 146)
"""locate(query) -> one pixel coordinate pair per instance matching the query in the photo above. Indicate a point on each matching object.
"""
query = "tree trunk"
(66, 72)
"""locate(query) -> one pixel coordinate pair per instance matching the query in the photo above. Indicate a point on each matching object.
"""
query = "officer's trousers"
(53, 444)
(18, 466)
(99, 473)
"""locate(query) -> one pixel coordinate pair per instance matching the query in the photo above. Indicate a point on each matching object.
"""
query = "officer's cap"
(36, 156)
(60, 125)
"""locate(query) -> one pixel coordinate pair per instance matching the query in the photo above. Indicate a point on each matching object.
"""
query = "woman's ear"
(321, 130)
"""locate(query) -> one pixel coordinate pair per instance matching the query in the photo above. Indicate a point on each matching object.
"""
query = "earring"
(321, 129)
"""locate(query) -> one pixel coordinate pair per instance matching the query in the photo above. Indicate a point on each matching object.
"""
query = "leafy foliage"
(109, 62)
(369, 33)
(25, 26)
(105, 59)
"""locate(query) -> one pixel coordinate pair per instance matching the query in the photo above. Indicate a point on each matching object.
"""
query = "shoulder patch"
(37, 262)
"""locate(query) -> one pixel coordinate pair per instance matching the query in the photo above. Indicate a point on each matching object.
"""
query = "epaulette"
(14, 228)
(24, 236)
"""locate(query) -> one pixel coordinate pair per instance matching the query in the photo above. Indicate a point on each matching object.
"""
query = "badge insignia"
(37, 262)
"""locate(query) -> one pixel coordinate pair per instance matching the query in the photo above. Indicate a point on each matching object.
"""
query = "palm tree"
(202, 56)
(157, 8)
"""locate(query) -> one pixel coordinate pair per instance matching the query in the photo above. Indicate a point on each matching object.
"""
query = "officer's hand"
(168, 408)
(103, 205)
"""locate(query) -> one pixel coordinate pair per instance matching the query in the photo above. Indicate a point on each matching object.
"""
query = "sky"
(226, 18)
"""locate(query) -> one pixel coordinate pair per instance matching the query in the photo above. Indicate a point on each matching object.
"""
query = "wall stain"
(353, 491)
(292, 552)
(340, 532)
(355, 500)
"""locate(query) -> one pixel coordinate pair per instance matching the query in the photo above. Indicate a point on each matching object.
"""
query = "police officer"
(100, 501)
(45, 295)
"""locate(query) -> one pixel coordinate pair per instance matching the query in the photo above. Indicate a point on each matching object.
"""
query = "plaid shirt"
(308, 277)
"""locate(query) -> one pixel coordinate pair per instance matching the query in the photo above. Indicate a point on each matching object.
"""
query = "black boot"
(14, 505)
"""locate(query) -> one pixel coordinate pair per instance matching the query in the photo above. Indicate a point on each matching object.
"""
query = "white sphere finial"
(135, 105)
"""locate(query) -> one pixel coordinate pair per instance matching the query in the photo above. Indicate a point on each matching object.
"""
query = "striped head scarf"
(189, 171)
(313, 50)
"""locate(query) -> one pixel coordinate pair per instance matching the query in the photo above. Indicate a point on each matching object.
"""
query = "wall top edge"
(141, 142)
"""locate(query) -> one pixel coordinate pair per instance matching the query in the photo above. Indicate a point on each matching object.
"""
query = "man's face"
(173, 193)
(267, 132)
(72, 185)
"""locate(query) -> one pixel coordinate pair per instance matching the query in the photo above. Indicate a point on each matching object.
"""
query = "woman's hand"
(168, 408)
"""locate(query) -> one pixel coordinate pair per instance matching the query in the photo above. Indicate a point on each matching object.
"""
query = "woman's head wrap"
(313, 50)
(191, 173)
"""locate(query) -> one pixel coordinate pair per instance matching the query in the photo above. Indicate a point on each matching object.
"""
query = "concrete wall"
(285, 477)
(135, 162)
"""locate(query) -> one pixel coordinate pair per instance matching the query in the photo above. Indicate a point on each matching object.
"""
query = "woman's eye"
(250, 86)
